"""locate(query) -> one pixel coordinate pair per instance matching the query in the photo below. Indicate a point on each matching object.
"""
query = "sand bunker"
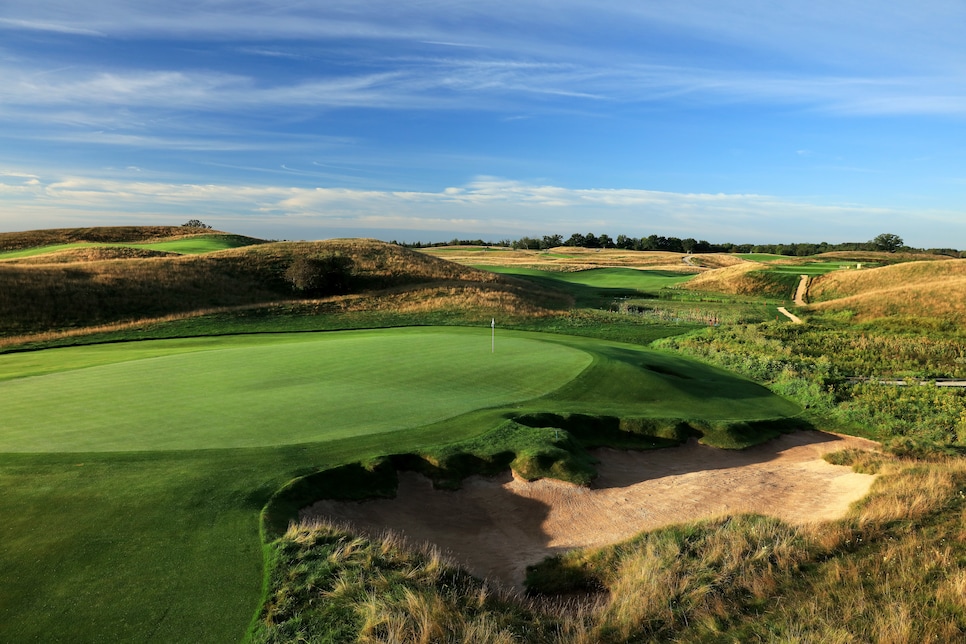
(498, 526)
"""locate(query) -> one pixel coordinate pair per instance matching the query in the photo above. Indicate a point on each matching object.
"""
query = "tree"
(195, 223)
(575, 240)
(887, 242)
(552, 241)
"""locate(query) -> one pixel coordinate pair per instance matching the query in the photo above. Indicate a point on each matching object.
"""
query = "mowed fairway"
(281, 390)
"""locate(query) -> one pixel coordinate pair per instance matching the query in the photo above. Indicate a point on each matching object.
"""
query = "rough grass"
(60, 297)
(567, 259)
(747, 278)
(893, 570)
(921, 289)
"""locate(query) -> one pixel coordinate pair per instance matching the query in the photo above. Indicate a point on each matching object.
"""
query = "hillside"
(921, 289)
(746, 278)
(10, 241)
(79, 288)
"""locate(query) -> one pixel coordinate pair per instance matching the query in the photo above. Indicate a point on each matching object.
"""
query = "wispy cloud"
(485, 206)
(456, 84)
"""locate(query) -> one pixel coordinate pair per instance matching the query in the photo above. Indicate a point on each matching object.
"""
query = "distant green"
(597, 286)
(188, 246)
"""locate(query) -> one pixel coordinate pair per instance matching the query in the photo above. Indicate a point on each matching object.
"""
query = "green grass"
(187, 246)
(816, 268)
(239, 393)
(760, 257)
(164, 545)
(597, 286)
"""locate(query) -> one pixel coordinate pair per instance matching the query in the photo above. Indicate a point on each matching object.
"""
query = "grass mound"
(915, 289)
(748, 278)
(47, 297)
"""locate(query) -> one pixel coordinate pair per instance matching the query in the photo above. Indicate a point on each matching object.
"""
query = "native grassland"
(916, 289)
(137, 508)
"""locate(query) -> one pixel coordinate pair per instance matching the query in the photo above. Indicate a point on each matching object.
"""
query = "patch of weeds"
(861, 461)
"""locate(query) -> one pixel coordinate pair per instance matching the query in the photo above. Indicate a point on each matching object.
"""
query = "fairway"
(617, 278)
(281, 390)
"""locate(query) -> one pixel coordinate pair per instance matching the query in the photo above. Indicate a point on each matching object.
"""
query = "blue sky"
(726, 120)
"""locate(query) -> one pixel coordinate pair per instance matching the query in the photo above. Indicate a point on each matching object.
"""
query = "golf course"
(158, 471)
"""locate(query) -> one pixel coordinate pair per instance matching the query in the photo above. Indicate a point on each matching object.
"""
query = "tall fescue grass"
(45, 298)
(919, 289)
(746, 278)
(893, 570)
(568, 259)
(90, 254)
(812, 363)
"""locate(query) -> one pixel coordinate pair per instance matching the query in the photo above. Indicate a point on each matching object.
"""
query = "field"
(152, 458)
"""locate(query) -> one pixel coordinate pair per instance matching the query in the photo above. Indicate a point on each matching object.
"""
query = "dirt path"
(497, 526)
(791, 316)
(801, 292)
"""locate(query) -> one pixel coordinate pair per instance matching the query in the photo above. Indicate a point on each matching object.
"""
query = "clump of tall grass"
(328, 584)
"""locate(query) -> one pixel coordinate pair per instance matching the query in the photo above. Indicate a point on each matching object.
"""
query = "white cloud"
(487, 206)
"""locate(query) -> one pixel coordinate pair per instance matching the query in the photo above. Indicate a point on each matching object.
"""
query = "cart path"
(496, 527)
(802, 291)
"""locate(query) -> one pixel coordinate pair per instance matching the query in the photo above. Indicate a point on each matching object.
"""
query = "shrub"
(325, 275)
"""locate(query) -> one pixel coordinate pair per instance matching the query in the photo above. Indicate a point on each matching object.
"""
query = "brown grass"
(93, 254)
(921, 289)
(737, 279)
(53, 299)
(567, 259)
(880, 257)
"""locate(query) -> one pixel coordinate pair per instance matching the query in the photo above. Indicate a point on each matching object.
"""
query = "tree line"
(885, 242)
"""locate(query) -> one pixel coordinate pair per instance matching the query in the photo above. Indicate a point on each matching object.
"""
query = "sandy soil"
(498, 526)
(801, 291)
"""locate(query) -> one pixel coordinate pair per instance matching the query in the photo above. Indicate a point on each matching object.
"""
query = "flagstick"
(493, 336)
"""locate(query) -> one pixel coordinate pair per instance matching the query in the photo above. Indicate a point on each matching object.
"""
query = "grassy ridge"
(85, 251)
(12, 241)
(36, 298)
(915, 289)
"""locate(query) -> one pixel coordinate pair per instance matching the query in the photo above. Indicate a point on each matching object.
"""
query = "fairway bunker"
(496, 527)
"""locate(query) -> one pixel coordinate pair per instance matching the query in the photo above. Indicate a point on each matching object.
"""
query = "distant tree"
(689, 244)
(575, 240)
(552, 241)
(605, 241)
(625, 242)
(325, 275)
(591, 241)
(195, 223)
(674, 245)
(887, 242)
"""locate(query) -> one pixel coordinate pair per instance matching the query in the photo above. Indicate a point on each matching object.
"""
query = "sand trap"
(497, 526)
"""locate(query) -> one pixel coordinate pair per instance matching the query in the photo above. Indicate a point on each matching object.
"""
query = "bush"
(325, 275)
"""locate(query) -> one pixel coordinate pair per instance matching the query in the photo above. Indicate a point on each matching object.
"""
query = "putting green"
(276, 390)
